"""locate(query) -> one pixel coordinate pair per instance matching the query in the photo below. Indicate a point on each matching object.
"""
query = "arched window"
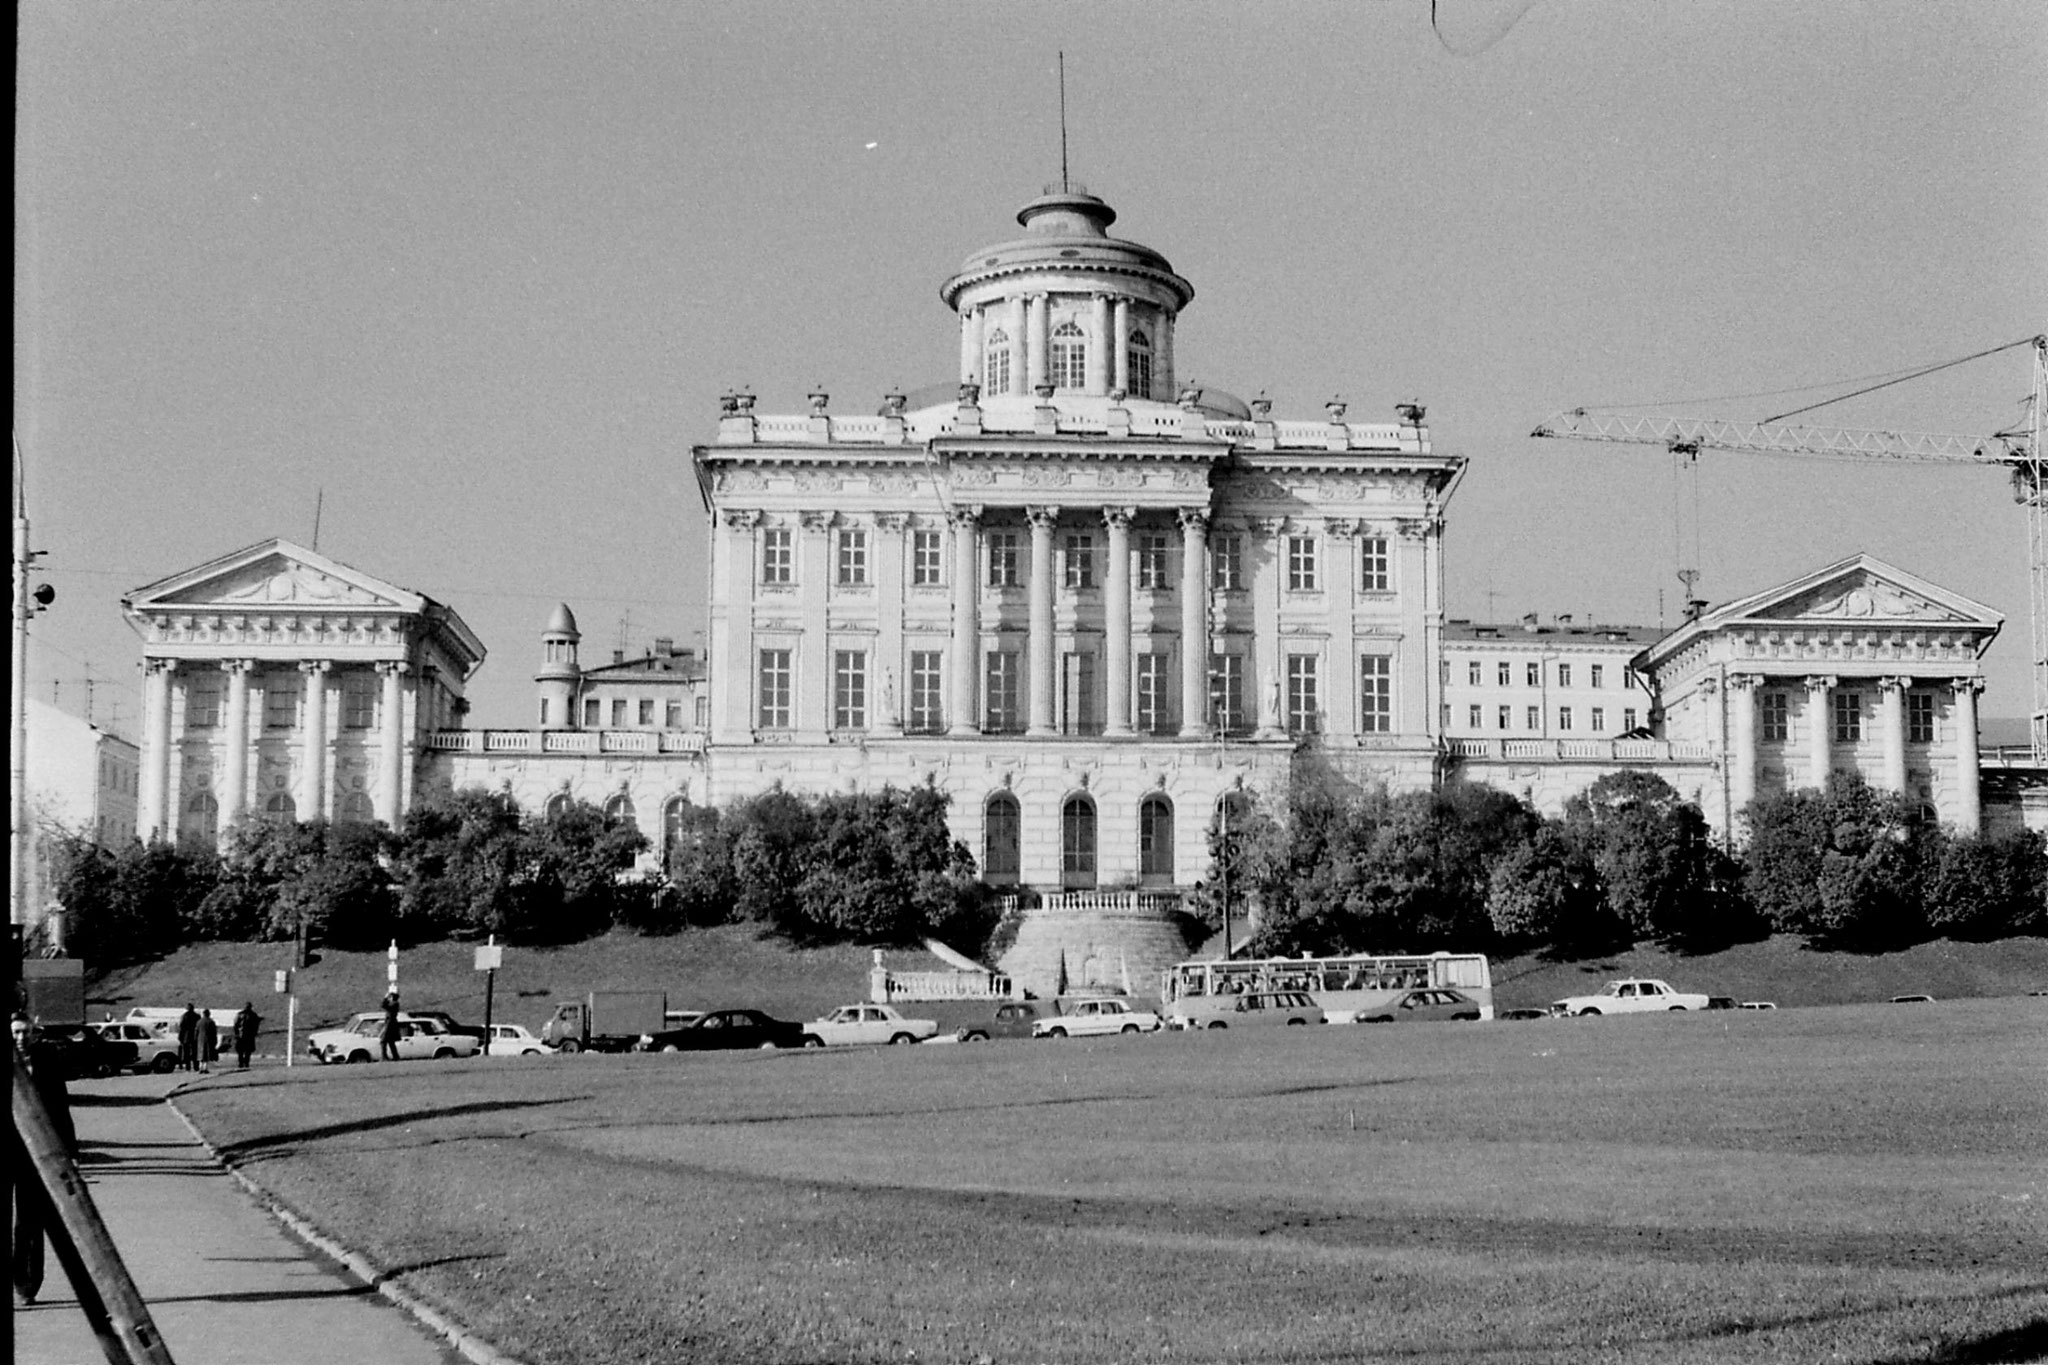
(355, 809)
(280, 809)
(1155, 840)
(1069, 356)
(1000, 841)
(556, 804)
(672, 824)
(201, 825)
(619, 810)
(1138, 357)
(1077, 842)
(995, 364)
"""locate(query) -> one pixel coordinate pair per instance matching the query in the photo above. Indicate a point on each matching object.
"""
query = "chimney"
(664, 645)
(618, 656)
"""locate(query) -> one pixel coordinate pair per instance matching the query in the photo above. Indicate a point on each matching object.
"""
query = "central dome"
(1067, 229)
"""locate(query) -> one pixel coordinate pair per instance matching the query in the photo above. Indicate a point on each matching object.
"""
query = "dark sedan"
(1424, 1005)
(721, 1030)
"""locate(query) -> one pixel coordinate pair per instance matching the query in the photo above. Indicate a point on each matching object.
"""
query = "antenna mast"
(1065, 187)
(319, 498)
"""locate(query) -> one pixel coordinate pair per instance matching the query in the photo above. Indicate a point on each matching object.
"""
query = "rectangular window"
(1304, 706)
(774, 683)
(1376, 695)
(1152, 560)
(849, 689)
(927, 687)
(1226, 562)
(1078, 711)
(1080, 561)
(1503, 717)
(1848, 717)
(1534, 719)
(778, 556)
(1472, 716)
(1628, 719)
(593, 712)
(672, 714)
(1564, 719)
(1533, 673)
(1599, 719)
(853, 557)
(280, 701)
(1597, 675)
(358, 701)
(1141, 372)
(1474, 673)
(646, 710)
(1920, 717)
(1301, 563)
(1774, 716)
(1155, 694)
(996, 379)
(618, 713)
(1003, 571)
(1501, 674)
(1001, 693)
(927, 558)
(1226, 693)
(1372, 564)
(1564, 675)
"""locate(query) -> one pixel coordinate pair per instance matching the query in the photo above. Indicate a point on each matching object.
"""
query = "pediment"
(1860, 591)
(275, 575)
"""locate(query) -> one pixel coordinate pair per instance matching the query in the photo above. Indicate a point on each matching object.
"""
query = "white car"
(1089, 1018)
(513, 1040)
(1636, 995)
(361, 1040)
(855, 1024)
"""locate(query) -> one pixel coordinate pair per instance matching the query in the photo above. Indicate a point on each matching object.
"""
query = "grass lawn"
(1859, 1183)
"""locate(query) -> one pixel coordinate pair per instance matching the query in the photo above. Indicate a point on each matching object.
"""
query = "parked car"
(360, 1040)
(1092, 1018)
(726, 1030)
(85, 1052)
(1915, 999)
(1523, 1012)
(447, 1022)
(855, 1024)
(1759, 1004)
(1426, 1006)
(1012, 1019)
(1634, 995)
(1722, 1002)
(513, 1040)
(1255, 1008)
(156, 1049)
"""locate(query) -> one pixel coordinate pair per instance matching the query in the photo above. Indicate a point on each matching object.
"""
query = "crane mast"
(2019, 451)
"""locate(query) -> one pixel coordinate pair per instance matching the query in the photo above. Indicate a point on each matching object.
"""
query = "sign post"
(285, 982)
(489, 958)
(391, 970)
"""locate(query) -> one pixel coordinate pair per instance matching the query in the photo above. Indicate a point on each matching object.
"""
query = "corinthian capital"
(745, 520)
(1042, 518)
(1118, 518)
(1194, 521)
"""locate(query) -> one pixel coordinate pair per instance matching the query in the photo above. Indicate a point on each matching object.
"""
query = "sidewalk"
(226, 1284)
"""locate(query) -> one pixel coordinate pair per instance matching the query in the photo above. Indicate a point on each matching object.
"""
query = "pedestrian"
(390, 1034)
(246, 1024)
(32, 1211)
(188, 1039)
(209, 1041)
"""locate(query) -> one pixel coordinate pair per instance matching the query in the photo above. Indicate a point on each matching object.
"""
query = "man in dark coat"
(246, 1024)
(188, 1039)
(209, 1041)
(390, 1034)
(31, 1202)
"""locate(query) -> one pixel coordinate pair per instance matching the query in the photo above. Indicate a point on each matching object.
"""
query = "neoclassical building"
(281, 684)
(1081, 595)
(1855, 667)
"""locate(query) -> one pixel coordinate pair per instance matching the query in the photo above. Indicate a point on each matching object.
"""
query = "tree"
(1978, 888)
(570, 879)
(1546, 893)
(1842, 866)
(459, 863)
(1651, 852)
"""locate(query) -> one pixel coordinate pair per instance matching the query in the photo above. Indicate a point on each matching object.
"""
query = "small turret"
(560, 674)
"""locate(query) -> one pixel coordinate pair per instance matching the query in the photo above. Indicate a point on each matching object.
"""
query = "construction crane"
(2019, 450)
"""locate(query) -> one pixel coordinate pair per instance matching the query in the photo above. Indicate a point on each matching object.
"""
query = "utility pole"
(18, 883)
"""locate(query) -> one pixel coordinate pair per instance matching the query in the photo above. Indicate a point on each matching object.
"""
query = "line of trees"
(1333, 869)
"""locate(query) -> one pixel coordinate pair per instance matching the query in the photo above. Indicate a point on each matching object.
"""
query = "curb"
(471, 1346)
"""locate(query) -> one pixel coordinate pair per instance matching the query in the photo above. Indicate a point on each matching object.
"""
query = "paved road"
(226, 1284)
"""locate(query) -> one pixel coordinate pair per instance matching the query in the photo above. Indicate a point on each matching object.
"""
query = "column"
(1194, 623)
(1741, 759)
(1020, 347)
(152, 821)
(1892, 705)
(1120, 347)
(1116, 623)
(313, 784)
(1163, 380)
(1036, 371)
(391, 742)
(970, 348)
(1041, 651)
(1969, 798)
(1818, 720)
(886, 679)
(966, 660)
(1099, 346)
(234, 781)
(1266, 578)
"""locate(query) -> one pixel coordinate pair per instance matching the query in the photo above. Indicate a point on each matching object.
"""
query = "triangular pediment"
(1861, 590)
(277, 575)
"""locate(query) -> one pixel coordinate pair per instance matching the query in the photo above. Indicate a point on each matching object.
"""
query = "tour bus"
(1345, 987)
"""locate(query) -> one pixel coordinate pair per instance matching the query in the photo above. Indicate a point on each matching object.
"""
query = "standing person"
(188, 1039)
(390, 1035)
(246, 1024)
(209, 1041)
(31, 1202)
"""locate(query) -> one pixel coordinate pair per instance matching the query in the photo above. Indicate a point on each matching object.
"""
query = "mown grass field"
(1859, 1183)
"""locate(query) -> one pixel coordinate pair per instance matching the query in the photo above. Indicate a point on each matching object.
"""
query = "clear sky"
(475, 273)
